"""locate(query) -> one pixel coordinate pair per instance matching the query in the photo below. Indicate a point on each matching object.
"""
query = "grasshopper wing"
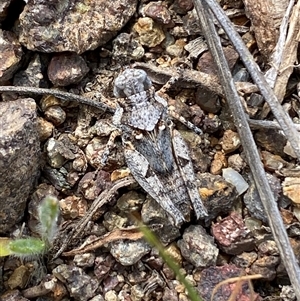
(182, 157)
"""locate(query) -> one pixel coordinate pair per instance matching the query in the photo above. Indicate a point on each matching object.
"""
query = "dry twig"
(102, 199)
(130, 233)
(65, 96)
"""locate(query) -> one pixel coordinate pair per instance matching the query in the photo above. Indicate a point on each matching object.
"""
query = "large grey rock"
(72, 25)
(19, 158)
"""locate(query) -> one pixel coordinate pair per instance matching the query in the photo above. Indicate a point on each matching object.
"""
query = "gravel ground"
(52, 143)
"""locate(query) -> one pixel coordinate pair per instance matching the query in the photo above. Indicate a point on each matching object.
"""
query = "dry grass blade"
(288, 58)
(238, 286)
(151, 238)
(250, 149)
(271, 74)
(282, 117)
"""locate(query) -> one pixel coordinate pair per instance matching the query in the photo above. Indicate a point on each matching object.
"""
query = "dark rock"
(232, 3)
(33, 75)
(197, 247)
(232, 235)
(19, 159)
(159, 13)
(110, 283)
(214, 275)
(129, 252)
(182, 6)
(271, 140)
(241, 74)
(14, 295)
(191, 23)
(244, 260)
(217, 195)
(169, 295)
(103, 264)
(92, 184)
(207, 100)
(4, 8)
(168, 272)
(273, 162)
(211, 124)
(80, 285)
(156, 217)
(125, 49)
(206, 63)
(253, 201)
(266, 266)
(58, 178)
(60, 150)
(67, 69)
(195, 144)
(56, 115)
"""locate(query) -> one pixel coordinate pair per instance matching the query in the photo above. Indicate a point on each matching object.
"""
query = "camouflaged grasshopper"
(155, 152)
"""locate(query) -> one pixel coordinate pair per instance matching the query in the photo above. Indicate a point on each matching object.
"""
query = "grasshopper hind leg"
(149, 181)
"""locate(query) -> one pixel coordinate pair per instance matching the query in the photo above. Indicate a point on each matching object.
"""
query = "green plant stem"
(152, 240)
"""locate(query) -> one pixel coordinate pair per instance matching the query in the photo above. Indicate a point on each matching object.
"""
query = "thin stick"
(268, 124)
(66, 96)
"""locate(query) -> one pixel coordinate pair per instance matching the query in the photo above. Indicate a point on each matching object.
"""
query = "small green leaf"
(48, 213)
(4, 246)
(26, 247)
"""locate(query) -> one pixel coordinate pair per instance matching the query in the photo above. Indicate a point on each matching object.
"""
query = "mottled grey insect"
(155, 152)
